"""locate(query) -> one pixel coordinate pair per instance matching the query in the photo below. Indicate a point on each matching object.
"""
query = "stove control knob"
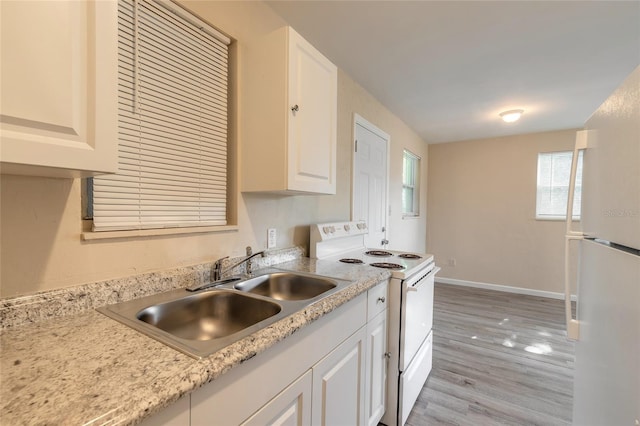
(326, 229)
(347, 228)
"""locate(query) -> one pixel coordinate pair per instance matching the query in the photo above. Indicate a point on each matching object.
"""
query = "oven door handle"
(414, 286)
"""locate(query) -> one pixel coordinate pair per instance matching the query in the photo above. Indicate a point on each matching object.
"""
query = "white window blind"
(410, 184)
(554, 170)
(172, 123)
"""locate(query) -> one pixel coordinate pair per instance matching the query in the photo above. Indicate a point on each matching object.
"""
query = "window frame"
(577, 208)
(412, 184)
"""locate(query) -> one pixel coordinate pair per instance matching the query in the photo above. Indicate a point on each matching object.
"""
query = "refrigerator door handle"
(581, 144)
(573, 326)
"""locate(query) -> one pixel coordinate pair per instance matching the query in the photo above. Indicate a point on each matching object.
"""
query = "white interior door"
(370, 177)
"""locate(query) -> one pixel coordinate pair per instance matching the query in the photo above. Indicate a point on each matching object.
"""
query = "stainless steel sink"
(202, 322)
(209, 315)
(287, 286)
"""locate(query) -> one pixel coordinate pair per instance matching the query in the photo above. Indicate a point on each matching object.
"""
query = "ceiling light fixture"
(511, 115)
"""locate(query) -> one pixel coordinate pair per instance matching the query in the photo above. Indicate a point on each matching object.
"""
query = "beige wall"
(481, 206)
(40, 224)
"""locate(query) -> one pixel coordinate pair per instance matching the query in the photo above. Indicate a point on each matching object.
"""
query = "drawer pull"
(382, 299)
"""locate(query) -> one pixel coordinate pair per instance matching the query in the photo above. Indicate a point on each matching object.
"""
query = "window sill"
(555, 219)
(106, 235)
(410, 216)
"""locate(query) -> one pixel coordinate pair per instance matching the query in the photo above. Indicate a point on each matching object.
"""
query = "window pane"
(410, 180)
(554, 170)
(407, 200)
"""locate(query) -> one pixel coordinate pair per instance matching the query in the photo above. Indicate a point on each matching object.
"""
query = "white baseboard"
(505, 288)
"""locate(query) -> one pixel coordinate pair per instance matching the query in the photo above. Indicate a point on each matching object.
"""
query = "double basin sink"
(202, 322)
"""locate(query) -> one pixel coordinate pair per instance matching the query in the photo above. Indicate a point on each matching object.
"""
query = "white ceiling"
(447, 68)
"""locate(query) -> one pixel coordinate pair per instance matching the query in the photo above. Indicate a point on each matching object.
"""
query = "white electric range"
(410, 307)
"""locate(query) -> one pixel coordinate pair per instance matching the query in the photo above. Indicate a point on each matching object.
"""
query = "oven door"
(416, 314)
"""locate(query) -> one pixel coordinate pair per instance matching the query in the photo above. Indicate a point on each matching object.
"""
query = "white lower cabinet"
(338, 384)
(376, 383)
(177, 414)
(332, 372)
(292, 406)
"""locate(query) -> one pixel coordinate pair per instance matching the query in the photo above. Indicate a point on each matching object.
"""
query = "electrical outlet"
(452, 262)
(271, 237)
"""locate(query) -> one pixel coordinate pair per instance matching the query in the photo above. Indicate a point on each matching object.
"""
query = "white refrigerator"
(607, 324)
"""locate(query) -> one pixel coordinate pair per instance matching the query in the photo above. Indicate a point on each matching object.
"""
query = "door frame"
(359, 120)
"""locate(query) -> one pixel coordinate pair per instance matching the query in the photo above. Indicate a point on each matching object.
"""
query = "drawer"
(414, 377)
(377, 300)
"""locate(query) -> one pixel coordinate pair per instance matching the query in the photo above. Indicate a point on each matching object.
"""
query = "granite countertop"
(86, 368)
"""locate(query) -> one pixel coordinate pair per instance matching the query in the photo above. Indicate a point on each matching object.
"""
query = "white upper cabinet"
(59, 88)
(289, 145)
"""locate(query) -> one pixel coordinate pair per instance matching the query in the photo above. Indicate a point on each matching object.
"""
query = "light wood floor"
(498, 358)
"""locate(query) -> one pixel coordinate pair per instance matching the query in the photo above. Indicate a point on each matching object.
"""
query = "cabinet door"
(312, 118)
(376, 375)
(59, 87)
(291, 407)
(177, 414)
(338, 384)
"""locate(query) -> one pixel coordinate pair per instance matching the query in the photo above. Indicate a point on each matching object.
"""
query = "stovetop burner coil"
(349, 260)
(387, 265)
(409, 256)
(378, 253)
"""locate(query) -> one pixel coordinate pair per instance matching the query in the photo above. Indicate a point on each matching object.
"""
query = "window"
(410, 184)
(172, 122)
(554, 170)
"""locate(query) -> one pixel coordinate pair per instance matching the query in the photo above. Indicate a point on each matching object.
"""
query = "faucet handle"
(219, 261)
(217, 268)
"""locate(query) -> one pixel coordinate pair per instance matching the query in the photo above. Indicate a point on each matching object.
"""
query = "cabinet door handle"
(382, 299)
(295, 108)
(387, 355)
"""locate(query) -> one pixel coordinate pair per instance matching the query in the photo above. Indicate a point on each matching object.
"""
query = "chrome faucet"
(218, 272)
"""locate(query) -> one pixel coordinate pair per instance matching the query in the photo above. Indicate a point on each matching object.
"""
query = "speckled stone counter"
(85, 368)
